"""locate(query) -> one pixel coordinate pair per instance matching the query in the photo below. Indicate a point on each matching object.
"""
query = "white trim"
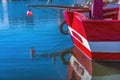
(85, 42)
(113, 47)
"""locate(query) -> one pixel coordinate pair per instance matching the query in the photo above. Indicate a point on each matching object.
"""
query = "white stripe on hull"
(85, 42)
(112, 47)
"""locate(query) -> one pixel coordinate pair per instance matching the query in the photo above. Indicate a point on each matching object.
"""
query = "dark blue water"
(20, 33)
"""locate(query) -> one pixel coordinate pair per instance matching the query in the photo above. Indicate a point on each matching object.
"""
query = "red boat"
(95, 31)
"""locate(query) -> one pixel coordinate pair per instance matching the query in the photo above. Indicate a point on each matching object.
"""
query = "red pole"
(32, 52)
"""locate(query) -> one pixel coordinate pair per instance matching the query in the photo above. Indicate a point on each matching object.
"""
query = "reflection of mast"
(49, 55)
(5, 14)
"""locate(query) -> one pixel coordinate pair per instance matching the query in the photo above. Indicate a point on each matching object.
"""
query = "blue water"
(19, 34)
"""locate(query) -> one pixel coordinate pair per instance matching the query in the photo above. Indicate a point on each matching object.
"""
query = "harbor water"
(32, 48)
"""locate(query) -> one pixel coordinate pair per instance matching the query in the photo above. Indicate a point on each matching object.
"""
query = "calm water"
(20, 33)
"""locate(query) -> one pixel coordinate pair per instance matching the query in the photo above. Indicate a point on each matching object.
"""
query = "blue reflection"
(19, 33)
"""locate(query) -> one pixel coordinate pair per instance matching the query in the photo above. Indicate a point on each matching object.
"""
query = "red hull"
(97, 39)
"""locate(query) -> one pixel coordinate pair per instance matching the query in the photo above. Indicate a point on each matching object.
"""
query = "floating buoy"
(29, 13)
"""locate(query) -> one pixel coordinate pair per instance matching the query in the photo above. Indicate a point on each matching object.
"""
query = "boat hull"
(97, 39)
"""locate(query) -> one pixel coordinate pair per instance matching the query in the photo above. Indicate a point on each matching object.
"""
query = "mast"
(97, 9)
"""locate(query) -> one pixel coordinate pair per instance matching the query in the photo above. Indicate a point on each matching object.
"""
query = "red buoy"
(29, 13)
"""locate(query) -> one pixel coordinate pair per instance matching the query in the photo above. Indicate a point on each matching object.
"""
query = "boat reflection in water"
(81, 68)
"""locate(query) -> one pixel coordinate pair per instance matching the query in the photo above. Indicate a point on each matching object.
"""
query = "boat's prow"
(96, 35)
(95, 31)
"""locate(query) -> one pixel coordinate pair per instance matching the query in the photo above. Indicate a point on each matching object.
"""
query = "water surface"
(54, 52)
